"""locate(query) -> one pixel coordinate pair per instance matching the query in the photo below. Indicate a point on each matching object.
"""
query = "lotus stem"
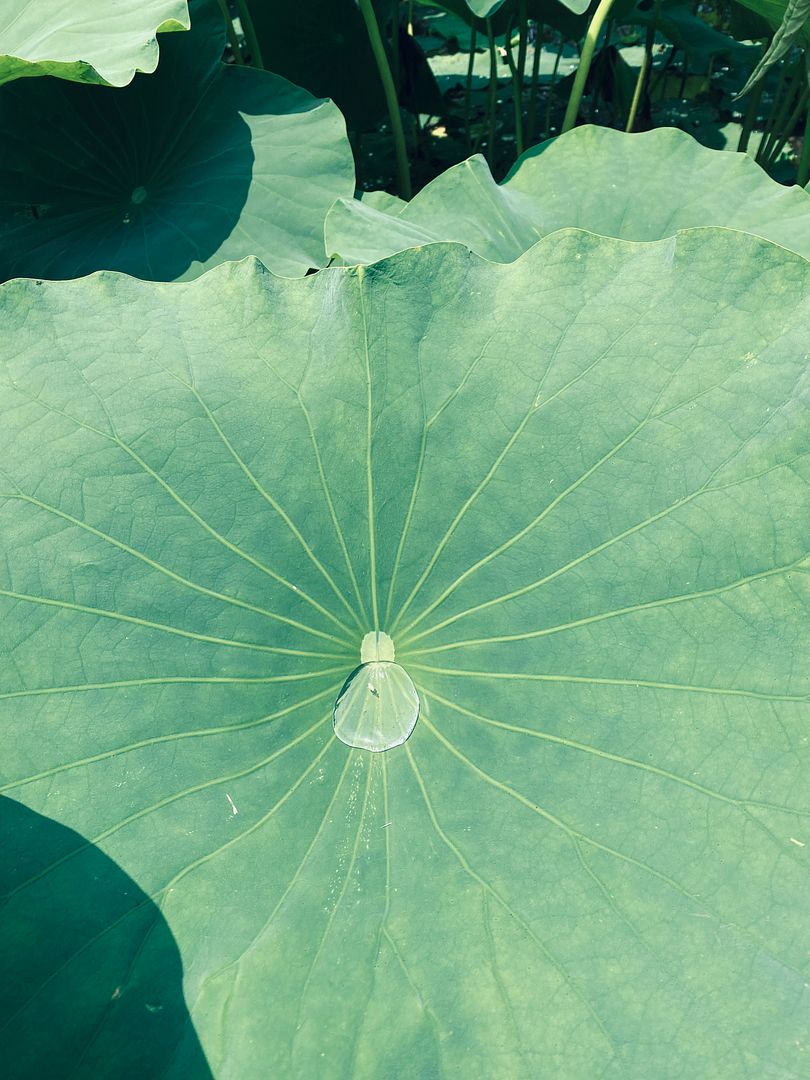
(803, 175)
(642, 76)
(493, 93)
(750, 117)
(395, 59)
(523, 39)
(781, 124)
(591, 37)
(769, 124)
(230, 30)
(468, 87)
(778, 145)
(517, 93)
(646, 66)
(550, 97)
(391, 100)
(250, 34)
(531, 115)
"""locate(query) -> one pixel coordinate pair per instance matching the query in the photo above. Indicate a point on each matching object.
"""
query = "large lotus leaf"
(574, 489)
(95, 41)
(638, 187)
(198, 163)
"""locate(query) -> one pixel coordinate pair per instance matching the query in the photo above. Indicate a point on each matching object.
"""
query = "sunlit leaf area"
(404, 540)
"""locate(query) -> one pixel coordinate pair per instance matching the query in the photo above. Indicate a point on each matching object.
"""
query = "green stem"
(535, 85)
(779, 144)
(646, 68)
(642, 76)
(750, 117)
(803, 175)
(684, 75)
(517, 94)
(775, 109)
(468, 88)
(493, 93)
(662, 71)
(550, 97)
(395, 49)
(230, 30)
(782, 125)
(387, 79)
(250, 34)
(597, 90)
(523, 40)
(591, 37)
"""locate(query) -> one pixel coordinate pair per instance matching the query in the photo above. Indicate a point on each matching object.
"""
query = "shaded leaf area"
(637, 187)
(574, 491)
(324, 46)
(92, 983)
(90, 41)
(700, 42)
(183, 169)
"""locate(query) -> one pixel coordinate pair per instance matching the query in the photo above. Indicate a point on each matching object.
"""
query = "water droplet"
(378, 707)
(138, 195)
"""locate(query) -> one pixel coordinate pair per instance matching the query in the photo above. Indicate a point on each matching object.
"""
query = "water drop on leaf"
(378, 707)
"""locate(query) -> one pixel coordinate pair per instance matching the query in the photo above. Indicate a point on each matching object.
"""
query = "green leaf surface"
(198, 163)
(637, 187)
(91, 41)
(574, 491)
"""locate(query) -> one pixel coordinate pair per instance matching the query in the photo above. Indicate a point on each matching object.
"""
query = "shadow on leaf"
(91, 983)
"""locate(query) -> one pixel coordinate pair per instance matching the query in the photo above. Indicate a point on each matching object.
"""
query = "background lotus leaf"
(639, 187)
(95, 41)
(198, 163)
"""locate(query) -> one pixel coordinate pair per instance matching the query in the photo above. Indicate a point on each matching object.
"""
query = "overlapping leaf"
(487, 8)
(574, 489)
(183, 169)
(791, 31)
(639, 187)
(95, 41)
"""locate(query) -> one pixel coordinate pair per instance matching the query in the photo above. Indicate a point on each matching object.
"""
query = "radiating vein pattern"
(574, 491)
